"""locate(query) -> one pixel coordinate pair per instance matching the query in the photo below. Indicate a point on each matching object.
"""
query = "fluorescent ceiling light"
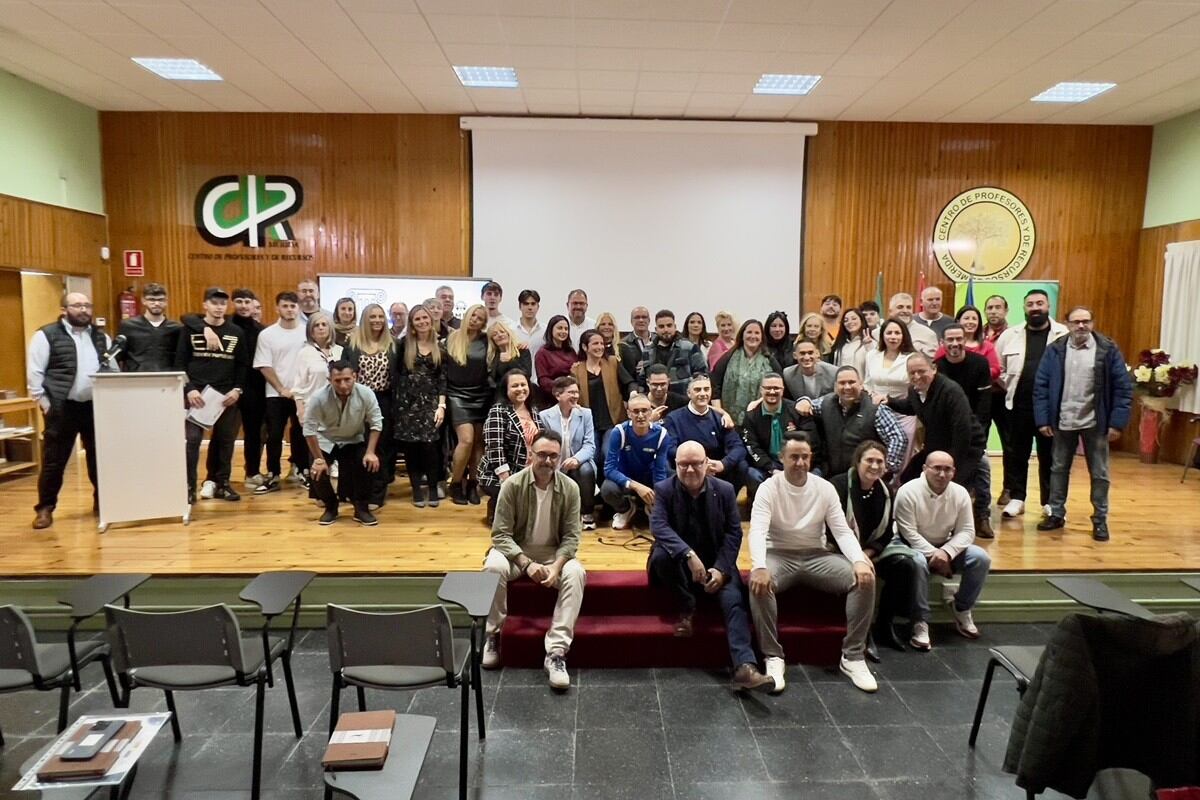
(774, 83)
(487, 77)
(1072, 92)
(178, 69)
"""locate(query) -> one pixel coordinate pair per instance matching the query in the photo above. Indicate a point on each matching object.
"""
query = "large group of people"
(859, 438)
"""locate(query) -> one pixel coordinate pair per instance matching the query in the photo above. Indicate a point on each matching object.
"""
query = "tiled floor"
(636, 733)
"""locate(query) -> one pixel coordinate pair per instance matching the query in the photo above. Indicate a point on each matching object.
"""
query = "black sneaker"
(364, 517)
(1100, 531)
(329, 517)
(226, 492)
(1051, 523)
(269, 484)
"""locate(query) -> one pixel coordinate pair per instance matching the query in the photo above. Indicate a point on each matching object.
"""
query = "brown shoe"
(983, 527)
(1004, 498)
(44, 519)
(747, 678)
(683, 627)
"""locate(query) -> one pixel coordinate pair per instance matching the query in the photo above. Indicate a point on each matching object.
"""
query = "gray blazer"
(793, 381)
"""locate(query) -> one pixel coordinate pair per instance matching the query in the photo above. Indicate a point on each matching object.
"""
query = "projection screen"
(686, 215)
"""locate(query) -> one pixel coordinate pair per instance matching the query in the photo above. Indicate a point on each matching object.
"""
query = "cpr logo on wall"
(986, 234)
(248, 209)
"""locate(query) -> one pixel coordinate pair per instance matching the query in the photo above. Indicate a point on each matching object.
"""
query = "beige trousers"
(570, 598)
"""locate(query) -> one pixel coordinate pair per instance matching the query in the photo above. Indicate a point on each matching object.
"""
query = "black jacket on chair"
(1111, 691)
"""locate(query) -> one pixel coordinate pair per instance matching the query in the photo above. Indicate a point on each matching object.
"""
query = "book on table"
(360, 740)
(59, 769)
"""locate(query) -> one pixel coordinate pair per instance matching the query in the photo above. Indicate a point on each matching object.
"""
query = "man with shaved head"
(697, 534)
(924, 339)
(933, 516)
(63, 357)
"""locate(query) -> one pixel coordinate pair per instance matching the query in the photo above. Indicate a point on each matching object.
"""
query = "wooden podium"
(141, 457)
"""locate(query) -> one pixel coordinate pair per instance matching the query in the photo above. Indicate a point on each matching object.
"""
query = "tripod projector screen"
(685, 215)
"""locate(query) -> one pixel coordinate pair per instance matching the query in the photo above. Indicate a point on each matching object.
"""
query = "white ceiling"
(918, 60)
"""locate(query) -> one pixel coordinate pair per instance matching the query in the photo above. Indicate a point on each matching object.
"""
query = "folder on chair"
(56, 769)
(360, 740)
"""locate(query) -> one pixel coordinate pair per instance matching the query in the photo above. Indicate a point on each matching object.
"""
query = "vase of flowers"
(1156, 380)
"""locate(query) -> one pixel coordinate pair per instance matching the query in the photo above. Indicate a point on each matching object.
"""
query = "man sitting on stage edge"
(334, 421)
(787, 547)
(933, 516)
(697, 534)
(536, 534)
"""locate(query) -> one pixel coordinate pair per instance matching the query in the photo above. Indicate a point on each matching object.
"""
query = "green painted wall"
(49, 147)
(1173, 193)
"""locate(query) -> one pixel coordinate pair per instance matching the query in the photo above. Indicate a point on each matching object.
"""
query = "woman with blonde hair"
(812, 329)
(421, 406)
(312, 365)
(723, 342)
(468, 396)
(606, 323)
(504, 353)
(345, 320)
(373, 351)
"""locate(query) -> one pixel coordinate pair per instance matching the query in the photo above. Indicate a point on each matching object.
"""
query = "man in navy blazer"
(697, 535)
(574, 424)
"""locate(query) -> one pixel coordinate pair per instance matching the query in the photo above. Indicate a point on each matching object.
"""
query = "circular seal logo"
(986, 234)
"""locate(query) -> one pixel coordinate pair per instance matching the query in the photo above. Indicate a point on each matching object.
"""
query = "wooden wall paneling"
(383, 194)
(875, 190)
(12, 335)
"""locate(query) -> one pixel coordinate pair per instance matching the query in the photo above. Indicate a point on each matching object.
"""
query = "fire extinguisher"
(128, 303)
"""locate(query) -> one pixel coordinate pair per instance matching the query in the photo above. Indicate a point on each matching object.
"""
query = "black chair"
(190, 650)
(400, 651)
(1019, 661)
(88, 598)
(273, 592)
(27, 664)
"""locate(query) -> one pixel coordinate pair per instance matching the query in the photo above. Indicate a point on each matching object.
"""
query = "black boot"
(491, 509)
(418, 497)
(457, 494)
(473, 492)
(432, 502)
(885, 634)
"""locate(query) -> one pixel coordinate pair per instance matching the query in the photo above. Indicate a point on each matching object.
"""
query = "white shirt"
(87, 364)
(928, 521)
(279, 348)
(542, 542)
(787, 517)
(923, 338)
(1078, 409)
(577, 330)
(880, 379)
(533, 339)
(312, 371)
(500, 318)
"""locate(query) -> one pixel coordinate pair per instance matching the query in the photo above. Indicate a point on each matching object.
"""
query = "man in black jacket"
(150, 338)
(972, 373)
(252, 406)
(763, 428)
(697, 534)
(949, 421)
(223, 368)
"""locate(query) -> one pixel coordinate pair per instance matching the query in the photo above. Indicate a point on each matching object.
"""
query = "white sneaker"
(622, 519)
(774, 669)
(587, 522)
(920, 637)
(208, 490)
(1047, 510)
(491, 652)
(859, 674)
(964, 623)
(333, 470)
(1015, 508)
(254, 481)
(295, 475)
(556, 669)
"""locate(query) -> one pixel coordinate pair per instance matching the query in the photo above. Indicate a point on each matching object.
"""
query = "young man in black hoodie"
(252, 404)
(213, 353)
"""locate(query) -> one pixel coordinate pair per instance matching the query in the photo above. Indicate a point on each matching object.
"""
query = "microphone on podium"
(118, 344)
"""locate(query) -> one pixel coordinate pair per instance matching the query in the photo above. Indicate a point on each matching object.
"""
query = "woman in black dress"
(504, 353)
(868, 506)
(421, 406)
(468, 396)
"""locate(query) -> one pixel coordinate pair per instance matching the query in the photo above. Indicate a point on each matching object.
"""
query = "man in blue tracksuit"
(1082, 391)
(636, 460)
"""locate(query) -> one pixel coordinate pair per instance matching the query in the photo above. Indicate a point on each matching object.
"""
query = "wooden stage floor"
(1154, 520)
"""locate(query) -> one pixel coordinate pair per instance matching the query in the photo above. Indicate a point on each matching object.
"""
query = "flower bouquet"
(1156, 380)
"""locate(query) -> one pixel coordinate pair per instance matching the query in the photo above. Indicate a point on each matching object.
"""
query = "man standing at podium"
(213, 353)
(63, 356)
(150, 339)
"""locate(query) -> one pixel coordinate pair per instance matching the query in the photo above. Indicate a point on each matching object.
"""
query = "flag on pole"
(920, 291)
(970, 291)
(879, 290)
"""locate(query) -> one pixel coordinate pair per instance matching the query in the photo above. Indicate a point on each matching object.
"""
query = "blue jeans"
(972, 564)
(981, 487)
(1095, 452)
(674, 575)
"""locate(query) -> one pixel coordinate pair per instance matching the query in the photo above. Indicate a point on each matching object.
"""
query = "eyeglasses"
(80, 305)
(1080, 322)
(939, 469)
(692, 466)
(546, 456)
(637, 412)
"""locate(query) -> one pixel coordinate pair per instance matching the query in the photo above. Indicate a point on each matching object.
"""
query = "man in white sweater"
(787, 547)
(933, 515)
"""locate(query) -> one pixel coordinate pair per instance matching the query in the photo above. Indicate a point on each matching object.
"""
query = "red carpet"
(627, 623)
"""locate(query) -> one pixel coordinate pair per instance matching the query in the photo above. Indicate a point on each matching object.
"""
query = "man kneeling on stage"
(536, 534)
(334, 421)
(697, 534)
